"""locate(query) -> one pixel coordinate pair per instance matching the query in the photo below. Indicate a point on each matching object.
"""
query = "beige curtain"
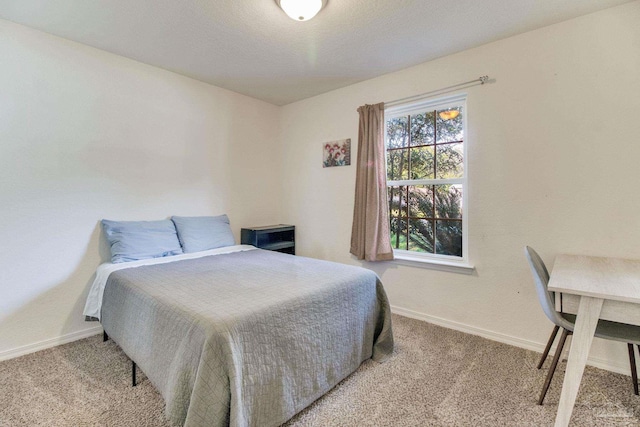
(370, 239)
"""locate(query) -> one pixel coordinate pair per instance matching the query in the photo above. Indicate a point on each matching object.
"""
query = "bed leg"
(104, 336)
(133, 373)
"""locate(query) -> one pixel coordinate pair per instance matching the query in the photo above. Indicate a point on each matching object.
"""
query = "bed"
(241, 336)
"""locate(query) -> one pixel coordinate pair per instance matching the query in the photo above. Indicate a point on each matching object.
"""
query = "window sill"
(433, 264)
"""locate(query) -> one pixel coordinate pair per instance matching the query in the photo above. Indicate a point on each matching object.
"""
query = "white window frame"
(423, 259)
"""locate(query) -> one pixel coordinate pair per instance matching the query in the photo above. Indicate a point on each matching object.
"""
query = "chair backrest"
(541, 280)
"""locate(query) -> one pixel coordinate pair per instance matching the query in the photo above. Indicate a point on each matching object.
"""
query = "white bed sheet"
(93, 305)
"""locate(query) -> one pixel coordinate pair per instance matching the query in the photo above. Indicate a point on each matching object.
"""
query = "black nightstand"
(279, 238)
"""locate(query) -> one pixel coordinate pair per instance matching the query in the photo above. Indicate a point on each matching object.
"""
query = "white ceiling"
(252, 47)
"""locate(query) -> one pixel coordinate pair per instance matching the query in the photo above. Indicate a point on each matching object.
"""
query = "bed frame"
(105, 337)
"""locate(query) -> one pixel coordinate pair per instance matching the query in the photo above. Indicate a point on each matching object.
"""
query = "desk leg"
(586, 322)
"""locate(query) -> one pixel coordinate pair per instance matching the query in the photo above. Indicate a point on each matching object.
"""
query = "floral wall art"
(336, 153)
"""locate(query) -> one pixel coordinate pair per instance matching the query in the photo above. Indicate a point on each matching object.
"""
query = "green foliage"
(430, 215)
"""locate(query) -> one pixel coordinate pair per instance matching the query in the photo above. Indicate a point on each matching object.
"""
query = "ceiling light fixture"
(301, 10)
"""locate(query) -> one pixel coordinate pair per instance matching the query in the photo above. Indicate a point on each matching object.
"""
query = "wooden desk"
(607, 287)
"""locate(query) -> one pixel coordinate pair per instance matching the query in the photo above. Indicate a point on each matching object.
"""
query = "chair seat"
(611, 330)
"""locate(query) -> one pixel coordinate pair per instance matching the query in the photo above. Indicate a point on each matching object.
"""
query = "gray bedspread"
(246, 338)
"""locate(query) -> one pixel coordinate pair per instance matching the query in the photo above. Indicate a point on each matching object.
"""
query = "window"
(426, 181)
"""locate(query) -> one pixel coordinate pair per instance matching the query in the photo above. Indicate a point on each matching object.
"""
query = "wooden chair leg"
(548, 347)
(133, 373)
(554, 364)
(634, 372)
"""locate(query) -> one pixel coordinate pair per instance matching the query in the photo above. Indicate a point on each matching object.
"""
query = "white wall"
(554, 154)
(86, 135)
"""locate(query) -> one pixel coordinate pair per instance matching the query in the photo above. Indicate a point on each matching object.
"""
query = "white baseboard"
(41, 345)
(503, 338)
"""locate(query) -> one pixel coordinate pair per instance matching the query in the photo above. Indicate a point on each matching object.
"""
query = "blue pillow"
(201, 233)
(135, 240)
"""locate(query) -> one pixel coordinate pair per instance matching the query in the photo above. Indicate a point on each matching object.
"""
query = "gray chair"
(605, 329)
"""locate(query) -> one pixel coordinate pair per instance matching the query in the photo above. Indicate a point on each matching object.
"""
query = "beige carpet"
(438, 377)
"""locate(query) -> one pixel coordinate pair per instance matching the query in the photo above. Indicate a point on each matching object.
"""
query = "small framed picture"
(336, 153)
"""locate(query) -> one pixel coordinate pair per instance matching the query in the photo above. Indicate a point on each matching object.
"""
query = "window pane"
(397, 133)
(421, 201)
(449, 161)
(398, 216)
(421, 235)
(422, 162)
(399, 233)
(397, 164)
(397, 201)
(449, 129)
(449, 238)
(448, 200)
(422, 131)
